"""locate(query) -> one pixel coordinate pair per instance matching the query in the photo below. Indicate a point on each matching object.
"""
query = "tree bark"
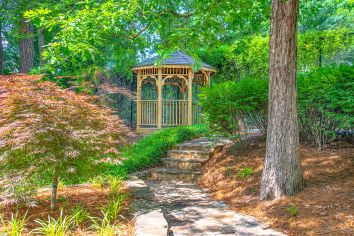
(26, 47)
(282, 174)
(40, 33)
(1, 51)
(55, 180)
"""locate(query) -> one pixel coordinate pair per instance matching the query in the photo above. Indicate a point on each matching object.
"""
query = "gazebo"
(160, 110)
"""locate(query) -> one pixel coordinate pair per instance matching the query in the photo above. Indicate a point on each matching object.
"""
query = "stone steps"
(185, 162)
(189, 154)
(175, 174)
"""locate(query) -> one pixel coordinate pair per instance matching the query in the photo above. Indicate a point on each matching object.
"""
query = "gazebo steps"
(189, 154)
(184, 164)
(175, 174)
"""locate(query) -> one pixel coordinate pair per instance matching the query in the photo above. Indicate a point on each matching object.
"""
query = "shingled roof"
(176, 58)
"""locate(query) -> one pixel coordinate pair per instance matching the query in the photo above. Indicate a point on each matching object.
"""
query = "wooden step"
(175, 174)
(184, 164)
(189, 154)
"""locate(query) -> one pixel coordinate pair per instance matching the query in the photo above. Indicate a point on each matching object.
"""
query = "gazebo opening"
(166, 93)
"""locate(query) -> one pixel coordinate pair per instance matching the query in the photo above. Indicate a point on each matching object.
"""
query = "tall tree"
(26, 47)
(1, 51)
(282, 174)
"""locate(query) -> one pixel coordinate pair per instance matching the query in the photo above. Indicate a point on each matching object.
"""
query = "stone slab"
(152, 223)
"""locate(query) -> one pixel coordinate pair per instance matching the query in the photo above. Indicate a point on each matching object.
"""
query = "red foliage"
(43, 127)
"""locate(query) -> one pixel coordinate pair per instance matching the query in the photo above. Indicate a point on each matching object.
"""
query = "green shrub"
(98, 181)
(326, 101)
(325, 104)
(292, 210)
(14, 226)
(79, 215)
(149, 150)
(114, 207)
(55, 227)
(114, 184)
(103, 227)
(245, 172)
(229, 103)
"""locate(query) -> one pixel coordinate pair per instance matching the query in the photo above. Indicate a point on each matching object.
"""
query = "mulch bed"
(91, 198)
(325, 206)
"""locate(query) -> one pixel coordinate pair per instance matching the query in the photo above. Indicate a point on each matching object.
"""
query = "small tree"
(52, 133)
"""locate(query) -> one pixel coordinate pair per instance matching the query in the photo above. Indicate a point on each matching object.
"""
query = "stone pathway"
(190, 211)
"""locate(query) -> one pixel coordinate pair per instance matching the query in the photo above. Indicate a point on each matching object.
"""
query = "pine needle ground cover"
(324, 207)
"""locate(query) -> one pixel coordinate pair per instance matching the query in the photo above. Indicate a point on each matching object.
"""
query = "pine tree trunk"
(40, 44)
(26, 47)
(1, 51)
(55, 180)
(282, 174)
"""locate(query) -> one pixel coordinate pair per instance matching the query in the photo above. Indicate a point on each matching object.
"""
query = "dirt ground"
(91, 198)
(324, 207)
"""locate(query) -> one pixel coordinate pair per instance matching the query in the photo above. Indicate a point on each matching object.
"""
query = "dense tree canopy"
(81, 38)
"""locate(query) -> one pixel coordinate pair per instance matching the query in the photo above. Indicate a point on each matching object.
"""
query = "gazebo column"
(138, 105)
(159, 85)
(190, 96)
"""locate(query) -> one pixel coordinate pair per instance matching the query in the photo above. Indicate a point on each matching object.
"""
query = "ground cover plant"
(148, 151)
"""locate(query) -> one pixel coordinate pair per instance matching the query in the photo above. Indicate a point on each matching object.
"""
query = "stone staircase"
(186, 160)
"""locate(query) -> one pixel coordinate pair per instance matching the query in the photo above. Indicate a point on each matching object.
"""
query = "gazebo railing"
(174, 113)
(148, 112)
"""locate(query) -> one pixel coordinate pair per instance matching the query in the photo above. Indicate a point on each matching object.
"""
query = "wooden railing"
(174, 113)
(148, 112)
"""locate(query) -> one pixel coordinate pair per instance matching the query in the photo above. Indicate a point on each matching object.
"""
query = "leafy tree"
(49, 133)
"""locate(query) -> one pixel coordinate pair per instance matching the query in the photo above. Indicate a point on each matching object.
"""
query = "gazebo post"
(190, 96)
(159, 85)
(138, 98)
(183, 92)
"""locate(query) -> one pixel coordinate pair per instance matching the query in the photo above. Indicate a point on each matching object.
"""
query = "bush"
(149, 150)
(229, 103)
(326, 103)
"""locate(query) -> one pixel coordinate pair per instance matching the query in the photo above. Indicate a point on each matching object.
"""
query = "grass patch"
(149, 150)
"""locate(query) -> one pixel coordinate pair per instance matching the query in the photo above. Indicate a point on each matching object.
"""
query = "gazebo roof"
(176, 58)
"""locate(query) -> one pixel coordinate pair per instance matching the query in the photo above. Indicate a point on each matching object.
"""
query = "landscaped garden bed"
(324, 207)
(86, 209)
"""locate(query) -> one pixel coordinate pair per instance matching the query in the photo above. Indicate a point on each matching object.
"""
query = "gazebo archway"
(174, 71)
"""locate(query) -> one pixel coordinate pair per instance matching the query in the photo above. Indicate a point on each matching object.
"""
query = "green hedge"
(325, 103)
(228, 102)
